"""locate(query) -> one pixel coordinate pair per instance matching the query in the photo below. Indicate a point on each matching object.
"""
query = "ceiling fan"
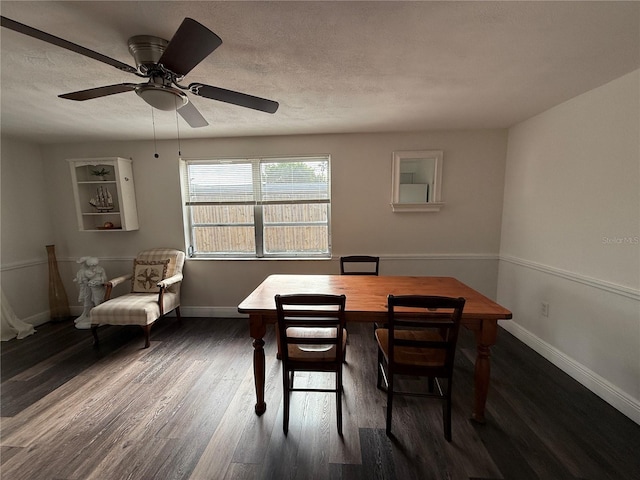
(164, 63)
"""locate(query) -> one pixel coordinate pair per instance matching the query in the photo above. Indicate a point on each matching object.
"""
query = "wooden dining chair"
(359, 265)
(313, 339)
(420, 341)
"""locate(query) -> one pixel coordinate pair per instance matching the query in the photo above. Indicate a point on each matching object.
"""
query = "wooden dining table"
(367, 302)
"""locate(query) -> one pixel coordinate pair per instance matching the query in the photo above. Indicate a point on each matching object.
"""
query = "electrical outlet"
(544, 309)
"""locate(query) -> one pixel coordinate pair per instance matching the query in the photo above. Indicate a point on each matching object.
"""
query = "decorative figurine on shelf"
(90, 279)
(103, 201)
(102, 173)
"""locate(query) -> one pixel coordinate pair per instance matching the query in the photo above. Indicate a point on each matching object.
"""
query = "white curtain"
(11, 326)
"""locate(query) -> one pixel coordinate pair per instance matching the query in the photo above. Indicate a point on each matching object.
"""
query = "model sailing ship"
(103, 200)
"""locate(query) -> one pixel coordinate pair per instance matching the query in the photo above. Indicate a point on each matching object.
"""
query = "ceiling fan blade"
(46, 37)
(99, 92)
(191, 44)
(192, 116)
(236, 98)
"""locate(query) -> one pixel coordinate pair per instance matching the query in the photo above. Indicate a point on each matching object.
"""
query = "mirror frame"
(435, 203)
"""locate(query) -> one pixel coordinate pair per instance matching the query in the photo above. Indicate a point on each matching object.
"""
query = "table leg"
(486, 336)
(257, 330)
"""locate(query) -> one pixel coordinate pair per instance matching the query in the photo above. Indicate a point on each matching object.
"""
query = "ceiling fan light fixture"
(162, 97)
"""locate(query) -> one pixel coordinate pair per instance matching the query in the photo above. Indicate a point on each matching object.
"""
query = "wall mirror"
(416, 181)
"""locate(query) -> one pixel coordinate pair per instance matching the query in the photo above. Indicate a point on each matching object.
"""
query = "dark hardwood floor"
(184, 409)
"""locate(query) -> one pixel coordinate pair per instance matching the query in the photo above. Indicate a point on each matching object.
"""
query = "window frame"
(258, 204)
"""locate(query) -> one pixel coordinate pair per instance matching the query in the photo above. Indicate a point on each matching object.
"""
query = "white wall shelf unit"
(104, 194)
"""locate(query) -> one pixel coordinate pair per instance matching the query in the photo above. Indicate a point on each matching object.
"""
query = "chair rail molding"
(628, 292)
(440, 256)
(32, 262)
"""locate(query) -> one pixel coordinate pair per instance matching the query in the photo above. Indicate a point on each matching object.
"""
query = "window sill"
(253, 259)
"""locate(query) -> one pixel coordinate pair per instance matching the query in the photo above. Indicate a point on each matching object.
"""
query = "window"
(262, 207)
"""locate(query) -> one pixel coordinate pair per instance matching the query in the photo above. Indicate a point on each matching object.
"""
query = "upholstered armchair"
(155, 282)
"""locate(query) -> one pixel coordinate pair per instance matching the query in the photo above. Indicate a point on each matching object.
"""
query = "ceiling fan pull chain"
(155, 145)
(178, 130)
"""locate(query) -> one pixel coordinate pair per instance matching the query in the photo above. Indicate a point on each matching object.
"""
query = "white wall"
(571, 238)
(26, 228)
(462, 240)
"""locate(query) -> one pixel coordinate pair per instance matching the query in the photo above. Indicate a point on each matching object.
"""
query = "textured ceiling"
(332, 66)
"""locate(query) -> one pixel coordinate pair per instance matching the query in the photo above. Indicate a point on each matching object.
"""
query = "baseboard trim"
(37, 319)
(185, 311)
(617, 398)
(220, 312)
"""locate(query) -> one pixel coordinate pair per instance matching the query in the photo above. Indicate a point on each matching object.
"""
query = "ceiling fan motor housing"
(146, 51)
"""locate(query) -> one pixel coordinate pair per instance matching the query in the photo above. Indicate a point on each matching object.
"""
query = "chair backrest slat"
(365, 265)
(421, 343)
